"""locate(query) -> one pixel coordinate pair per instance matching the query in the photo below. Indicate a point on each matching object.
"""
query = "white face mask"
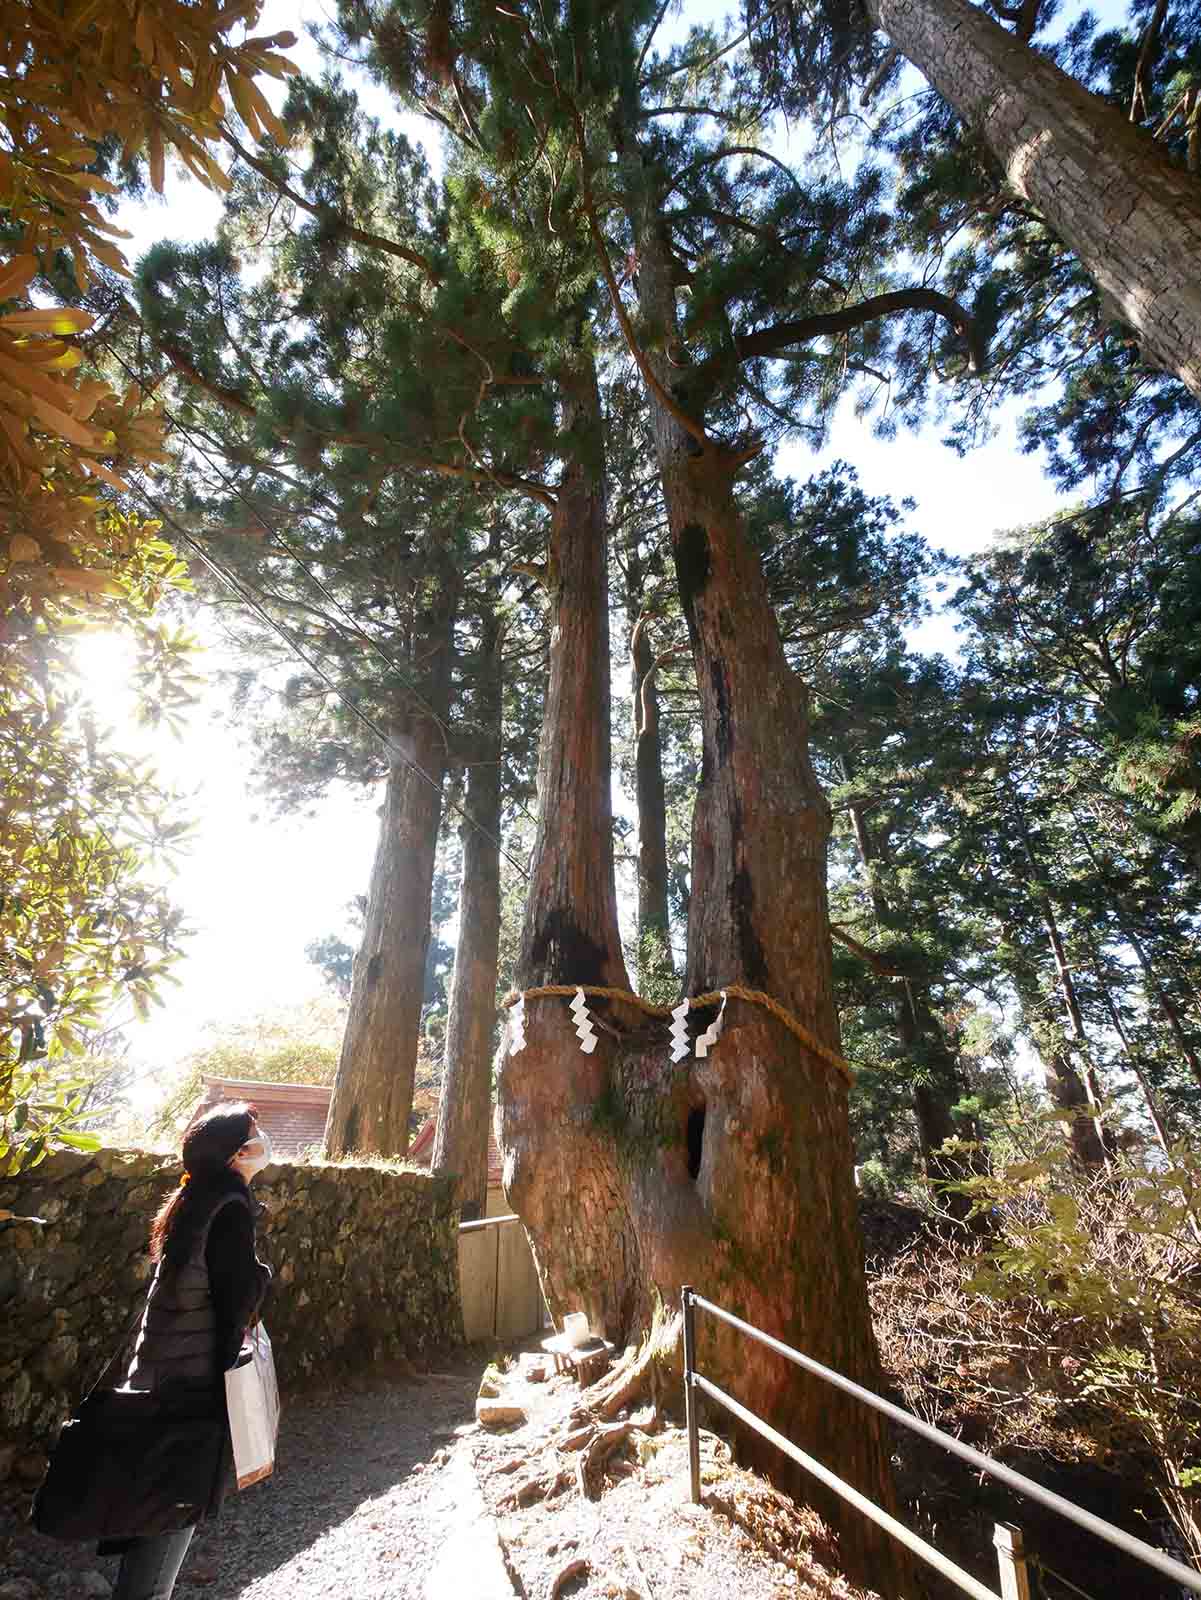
(254, 1155)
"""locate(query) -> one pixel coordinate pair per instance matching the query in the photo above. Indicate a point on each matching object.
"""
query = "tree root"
(575, 1568)
(590, 1467)
(638, 1374)
(591, 1431)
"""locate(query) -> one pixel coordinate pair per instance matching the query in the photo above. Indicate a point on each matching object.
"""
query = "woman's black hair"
(208, 1146)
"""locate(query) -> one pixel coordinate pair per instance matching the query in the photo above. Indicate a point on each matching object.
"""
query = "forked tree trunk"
(1132, 218)
(733, 1173)
(465, 1100)
(373, 1091)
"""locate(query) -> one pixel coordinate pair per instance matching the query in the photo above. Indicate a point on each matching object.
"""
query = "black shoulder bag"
(132, 1462)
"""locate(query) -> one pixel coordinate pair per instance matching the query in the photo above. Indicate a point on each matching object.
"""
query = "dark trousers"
(151, 1565)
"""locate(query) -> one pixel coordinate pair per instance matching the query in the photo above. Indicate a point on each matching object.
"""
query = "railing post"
(1011, 1558)
(694, 1438)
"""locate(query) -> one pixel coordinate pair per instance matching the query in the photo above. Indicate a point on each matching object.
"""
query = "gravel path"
(354, 1511)
(380, 1487)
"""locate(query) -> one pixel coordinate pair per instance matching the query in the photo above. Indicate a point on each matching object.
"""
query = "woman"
(207, 1289)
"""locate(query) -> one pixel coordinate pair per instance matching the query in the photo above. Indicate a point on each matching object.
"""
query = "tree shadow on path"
(338, 1453)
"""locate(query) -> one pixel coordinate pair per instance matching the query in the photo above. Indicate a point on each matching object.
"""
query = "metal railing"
(1011, 1557)
(488, 1222)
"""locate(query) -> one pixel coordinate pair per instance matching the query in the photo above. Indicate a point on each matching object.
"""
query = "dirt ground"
(361, 1505)
(628, 1529)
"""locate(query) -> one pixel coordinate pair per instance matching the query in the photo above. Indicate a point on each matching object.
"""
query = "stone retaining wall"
(365, 1262)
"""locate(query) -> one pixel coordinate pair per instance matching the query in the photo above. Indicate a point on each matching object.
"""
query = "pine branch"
(690, 425)
(707, 61)
(777, 338)
(731, 150)
(872, 87)
(690, 111)
(886, 969)
(646, 43)
(374, 241)
(216, 391)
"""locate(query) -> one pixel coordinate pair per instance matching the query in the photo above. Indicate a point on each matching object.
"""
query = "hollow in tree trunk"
(733, 1173)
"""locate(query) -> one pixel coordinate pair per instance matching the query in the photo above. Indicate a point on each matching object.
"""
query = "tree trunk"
(938, 1085)
(1088, 1077)
(465, 1101)
(1149, 1098)
(1171, 1015)
(937, 1082)
(1064, 1084)
(373, 1092)
(737, 1168)
(1068, 1091)
(560, 1164)
(1069, 1087)
(654, 927)
(570, 933)
(1131, 217)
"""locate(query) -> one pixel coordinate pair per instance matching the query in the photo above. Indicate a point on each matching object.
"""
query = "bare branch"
(1147, 52)
(689, 111)
(731, 150)
(770, 341)
(325, 214)
(654, 28)
(874, 83)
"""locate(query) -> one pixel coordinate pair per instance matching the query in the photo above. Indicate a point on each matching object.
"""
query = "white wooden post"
(1011, 1557)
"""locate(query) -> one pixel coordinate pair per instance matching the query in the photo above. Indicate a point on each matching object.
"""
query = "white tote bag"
(252, 1398)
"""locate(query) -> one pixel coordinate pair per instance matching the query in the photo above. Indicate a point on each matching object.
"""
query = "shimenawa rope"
(697, 1002)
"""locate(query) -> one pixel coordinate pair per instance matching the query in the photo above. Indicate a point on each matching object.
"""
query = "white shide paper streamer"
(517, 1026)
(583, 1026)
(679, 1031)
(713, 1032)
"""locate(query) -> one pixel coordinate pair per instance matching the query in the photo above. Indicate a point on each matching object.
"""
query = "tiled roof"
(294, 1115)
(422, 1150)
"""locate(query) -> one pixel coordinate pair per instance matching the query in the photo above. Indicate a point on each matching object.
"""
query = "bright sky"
(257, 890)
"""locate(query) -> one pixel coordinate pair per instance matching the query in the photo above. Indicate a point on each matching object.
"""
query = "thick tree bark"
(465, 1100)
(570, 933)
(738, 1167)
(633, 1175)
(654, 927)
(373, 1091)
(560, 1163)
(1131, 217)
